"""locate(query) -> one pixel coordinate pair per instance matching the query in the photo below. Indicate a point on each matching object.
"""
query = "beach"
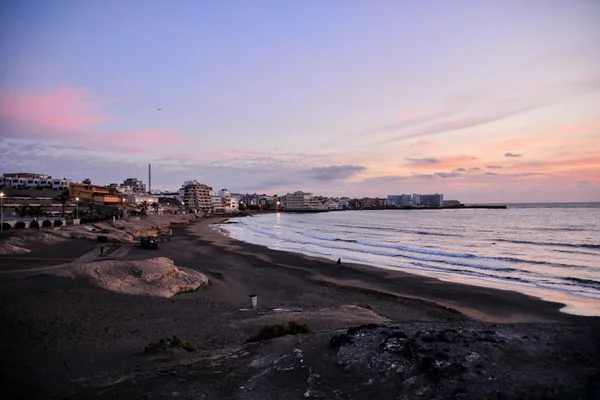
(65, 338)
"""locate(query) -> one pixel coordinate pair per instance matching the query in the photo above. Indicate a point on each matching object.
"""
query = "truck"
(149, 242)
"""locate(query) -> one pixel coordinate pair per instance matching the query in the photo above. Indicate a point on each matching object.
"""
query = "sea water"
(551, 251)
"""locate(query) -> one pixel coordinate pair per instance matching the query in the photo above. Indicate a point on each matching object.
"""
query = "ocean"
(551, 251)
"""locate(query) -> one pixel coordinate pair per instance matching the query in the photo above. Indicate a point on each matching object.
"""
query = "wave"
(585, 282)
(389, 229)
(574, 245)
(475, 261)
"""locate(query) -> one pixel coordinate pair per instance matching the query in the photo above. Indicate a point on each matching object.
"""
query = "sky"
(483, 101)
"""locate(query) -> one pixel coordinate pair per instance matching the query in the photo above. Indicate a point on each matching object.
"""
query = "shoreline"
(73, 339)
(477, 302)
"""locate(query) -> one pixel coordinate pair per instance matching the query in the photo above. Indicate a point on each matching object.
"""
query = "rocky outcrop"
(153, 277)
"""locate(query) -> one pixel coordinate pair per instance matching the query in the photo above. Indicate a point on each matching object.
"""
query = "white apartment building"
(432, 200)
(196, 196)
(231, 205)
(332, 205)
(402, 200)
(34, 181)
(224, 193)
(300, 201)
(217, 203)
(137, 198)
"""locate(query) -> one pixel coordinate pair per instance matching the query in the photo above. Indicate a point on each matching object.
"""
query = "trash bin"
(253, 301)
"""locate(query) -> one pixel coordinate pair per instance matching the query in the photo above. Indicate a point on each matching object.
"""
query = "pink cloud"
(411, 113)
(70, 114)
(423, 143)
(65, 110)
(154, 137)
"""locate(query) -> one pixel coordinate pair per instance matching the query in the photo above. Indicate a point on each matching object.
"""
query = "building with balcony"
(217, 203)
(196, 196)
(93, 193)
(300, 201)
(26, 180)
(432, 200)
(402, 200)
(136, 185)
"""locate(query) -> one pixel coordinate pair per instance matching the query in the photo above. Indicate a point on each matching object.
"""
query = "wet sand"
(61, 337)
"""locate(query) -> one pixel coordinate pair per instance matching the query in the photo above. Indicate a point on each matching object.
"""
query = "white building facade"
(402, 200)
(196, 196)
(300, 201)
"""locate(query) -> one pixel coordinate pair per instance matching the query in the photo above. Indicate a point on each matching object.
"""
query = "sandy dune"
(153, 277)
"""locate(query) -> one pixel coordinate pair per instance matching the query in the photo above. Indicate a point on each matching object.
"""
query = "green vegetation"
(47, 224)
(63, 198)
(34, 225)
(144, 207)
(29, 211)
(58, 222)
(162, 344)
(273, 331)
(86, 181)
(6, 226)
(20, 225)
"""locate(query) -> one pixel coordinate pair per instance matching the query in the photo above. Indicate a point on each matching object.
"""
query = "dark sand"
(63, 338)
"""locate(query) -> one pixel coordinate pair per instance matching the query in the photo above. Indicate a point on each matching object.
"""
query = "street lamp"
(77, 207)
(1, 212)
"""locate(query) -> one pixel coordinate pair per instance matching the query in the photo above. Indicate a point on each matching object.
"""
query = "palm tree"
(91, 207)
(86, 181)
(155, 206)
(63, 198)
(144, 205)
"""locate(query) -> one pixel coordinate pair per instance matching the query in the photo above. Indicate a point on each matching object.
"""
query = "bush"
(84, 221)
(162, 344)
(6, 226)
(272, 331)
(47, 224)
(34, 225)
(20, 225)
(58, 222)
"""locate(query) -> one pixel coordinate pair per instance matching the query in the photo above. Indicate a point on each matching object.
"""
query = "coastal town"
(28, 196)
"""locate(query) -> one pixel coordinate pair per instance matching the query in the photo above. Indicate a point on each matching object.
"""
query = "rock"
(398, 334)
(340, 340)
(355, 329)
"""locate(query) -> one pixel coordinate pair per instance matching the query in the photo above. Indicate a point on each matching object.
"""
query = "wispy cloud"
(455, 118)
(494, 166)
(337, 172)
(513, 155)
(420, 161)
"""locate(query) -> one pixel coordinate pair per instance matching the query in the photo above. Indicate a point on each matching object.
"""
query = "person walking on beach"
(339, 262)
(101, 250)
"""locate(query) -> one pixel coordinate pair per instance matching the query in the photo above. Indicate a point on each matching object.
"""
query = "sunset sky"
(484, 101)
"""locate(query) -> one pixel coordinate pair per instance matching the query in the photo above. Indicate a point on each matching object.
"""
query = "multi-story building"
(416, 199)
(27, 180)
(224, 193)
(250, 199)
(432, 200)
(196, 196)
(93, 193)
(371, 202)
(300, 201)
(137, 186)
(402, 200)
(217, 203)
(230, 204)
